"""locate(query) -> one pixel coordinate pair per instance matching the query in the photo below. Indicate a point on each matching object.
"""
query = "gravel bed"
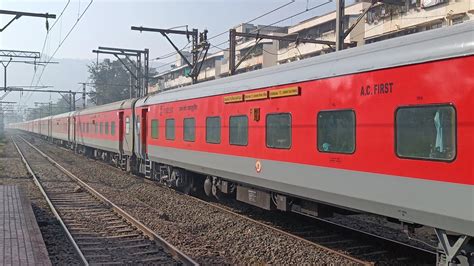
(208, 235)
(13, 172)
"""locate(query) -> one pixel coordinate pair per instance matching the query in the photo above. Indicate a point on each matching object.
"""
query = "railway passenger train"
(385, 128)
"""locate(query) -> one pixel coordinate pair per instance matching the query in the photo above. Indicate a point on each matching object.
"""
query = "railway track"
(100, 231)
(355, 245)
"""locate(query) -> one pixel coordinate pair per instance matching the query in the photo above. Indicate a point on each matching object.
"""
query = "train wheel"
(182, 180)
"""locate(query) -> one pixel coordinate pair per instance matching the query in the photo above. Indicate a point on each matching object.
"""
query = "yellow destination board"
(256, 96)
(233, 98)
(291, 91)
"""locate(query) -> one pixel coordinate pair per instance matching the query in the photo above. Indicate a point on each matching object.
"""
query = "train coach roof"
(125, 104)
(63, 115)
(421, 47)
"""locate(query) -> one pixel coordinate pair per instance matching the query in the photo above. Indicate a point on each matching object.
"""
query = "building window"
(238, 130)
(336, 131)
(457, 20)
(213, 130)
(101, 127)
(426, 132)
(112, 128)
(106, 128)
(154, 129)
(169, 132)
(278, 131)
(189, 129)
(127, 125)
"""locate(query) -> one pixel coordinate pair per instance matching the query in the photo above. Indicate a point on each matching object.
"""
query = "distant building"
(382, 21)
(388, 21)
(178, 76)
(322, 28)
(217, 65)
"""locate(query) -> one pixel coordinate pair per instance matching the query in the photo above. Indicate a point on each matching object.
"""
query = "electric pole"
(340, 7)
(18, 14)
(83, 95)
(15, 54)
(72, 102)
(140, 76)
(200, 47)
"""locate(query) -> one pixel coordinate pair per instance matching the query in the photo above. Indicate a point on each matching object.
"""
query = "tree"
(111, 82)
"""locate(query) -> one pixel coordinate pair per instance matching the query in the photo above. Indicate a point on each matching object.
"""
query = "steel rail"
(175, 252)
(51, 206)
(393, 241)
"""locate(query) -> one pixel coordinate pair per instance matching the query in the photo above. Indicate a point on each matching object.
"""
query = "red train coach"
(61, 130)
(106, 131)
(386, 128)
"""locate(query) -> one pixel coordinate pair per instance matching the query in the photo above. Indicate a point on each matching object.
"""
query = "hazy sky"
(107, 23)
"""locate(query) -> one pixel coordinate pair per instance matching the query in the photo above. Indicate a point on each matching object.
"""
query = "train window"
(336, 131)
(426, 132)
(106, 129)
(127, 125)
(169, 132)
(138, 129)
(213, 130)
(154, 129)
(87, 127)
(238, 130)
(189, 129)
(278, 131)
(96, 129)
(101, 127)
(112, 128)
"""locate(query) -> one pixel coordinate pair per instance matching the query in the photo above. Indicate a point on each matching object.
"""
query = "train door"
(68, 129)
(121, 135)
(50, 128)
(144, 132)
(73, 125)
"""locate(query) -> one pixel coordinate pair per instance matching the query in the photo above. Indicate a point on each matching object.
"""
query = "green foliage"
(111, 82)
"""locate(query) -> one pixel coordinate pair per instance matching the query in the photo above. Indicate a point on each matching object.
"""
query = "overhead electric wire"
(295, 15)
(62, 42)
(249, 21)
(54, 24)
(172, 53)
(252, 20)
(265, 26)
(46, 38)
